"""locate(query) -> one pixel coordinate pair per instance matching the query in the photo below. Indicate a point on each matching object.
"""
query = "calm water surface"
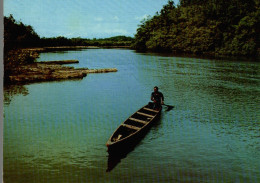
(56, 131)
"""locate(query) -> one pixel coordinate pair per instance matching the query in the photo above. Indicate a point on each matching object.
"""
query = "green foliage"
(112, 41)
(62, 41)
(202, 27)
(18, 35)
(58, 41)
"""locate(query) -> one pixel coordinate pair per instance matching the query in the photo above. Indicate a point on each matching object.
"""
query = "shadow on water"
(115, 157)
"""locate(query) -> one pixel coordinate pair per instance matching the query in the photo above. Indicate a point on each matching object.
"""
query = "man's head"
(155, 89)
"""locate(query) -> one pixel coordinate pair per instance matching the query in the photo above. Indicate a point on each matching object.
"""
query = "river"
(57, 131)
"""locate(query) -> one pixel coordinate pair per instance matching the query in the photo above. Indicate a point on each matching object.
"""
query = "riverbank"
(51, 71)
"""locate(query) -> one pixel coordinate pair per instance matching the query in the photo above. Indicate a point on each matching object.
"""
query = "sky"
(83, 18)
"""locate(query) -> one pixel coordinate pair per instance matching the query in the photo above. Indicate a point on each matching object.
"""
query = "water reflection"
(115, 157)
(11, 90)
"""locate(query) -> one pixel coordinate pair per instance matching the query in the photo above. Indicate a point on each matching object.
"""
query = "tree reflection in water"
(11, 90)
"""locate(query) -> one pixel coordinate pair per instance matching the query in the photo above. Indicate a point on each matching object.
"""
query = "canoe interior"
(121, 133)
(134, 123)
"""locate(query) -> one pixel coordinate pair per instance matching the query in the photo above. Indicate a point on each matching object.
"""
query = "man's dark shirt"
(157, 96)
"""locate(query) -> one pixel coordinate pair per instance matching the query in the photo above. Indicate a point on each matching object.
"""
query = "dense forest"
(212, 27)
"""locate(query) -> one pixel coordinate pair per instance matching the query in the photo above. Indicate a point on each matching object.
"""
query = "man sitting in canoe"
(157, 98)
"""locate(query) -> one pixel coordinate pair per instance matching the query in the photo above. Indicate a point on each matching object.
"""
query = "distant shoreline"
(57, 48)
(178, 54)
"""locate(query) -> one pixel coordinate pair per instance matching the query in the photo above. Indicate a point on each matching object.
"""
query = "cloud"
(99, 19)
(105, 30)
(142, 17)
(116, 31)
(115, 18)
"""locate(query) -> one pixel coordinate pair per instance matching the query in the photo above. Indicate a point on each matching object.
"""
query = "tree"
(17, 36)
(217, 27)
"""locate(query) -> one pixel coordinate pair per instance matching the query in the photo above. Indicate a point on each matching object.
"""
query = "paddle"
(170, 107)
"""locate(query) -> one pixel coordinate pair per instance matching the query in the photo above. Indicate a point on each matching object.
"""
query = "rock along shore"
(51, 71)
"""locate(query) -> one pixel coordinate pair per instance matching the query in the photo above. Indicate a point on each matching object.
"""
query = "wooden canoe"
(130, 131)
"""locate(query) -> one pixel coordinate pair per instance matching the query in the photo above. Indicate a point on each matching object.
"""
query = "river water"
(57, 131)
